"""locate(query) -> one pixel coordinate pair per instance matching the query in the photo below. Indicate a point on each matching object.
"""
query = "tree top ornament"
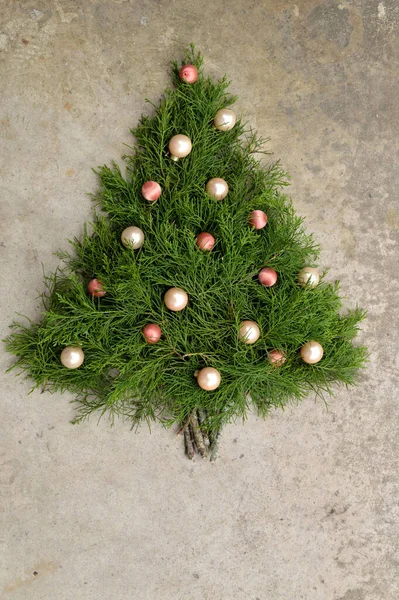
(194, 294)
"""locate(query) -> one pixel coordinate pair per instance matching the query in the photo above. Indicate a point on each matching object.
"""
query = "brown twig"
(215, 446)
(189, 443)
(183, 427)
(198, 438)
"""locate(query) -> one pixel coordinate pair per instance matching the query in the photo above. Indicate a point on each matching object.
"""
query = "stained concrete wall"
(302, 506)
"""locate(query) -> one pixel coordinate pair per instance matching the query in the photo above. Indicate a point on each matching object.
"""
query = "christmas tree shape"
(193, 296)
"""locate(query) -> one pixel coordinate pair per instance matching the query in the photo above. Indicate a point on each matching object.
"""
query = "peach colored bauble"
(96, 288)
(176, 299)
(267, 277)
(188, 73)
(151, 190)
(248, 332)
(257, 219)
(180, 146)
(72, 357)
(312, 352)
(276, 357)
(152, 333)
(208, 378)
(205, 241)
(225, 119)
(217, 188)
(132, 237)
(308, 277)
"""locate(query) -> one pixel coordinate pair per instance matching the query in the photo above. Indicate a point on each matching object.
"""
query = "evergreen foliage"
(121, 373)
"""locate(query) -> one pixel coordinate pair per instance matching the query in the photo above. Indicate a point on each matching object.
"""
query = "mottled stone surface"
(303, 506)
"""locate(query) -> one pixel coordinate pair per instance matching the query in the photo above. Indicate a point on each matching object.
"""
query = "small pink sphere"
(277, 357)
(257, 219)
(188, 73)
(151, 190)
(96, 288)
(267, 277)
(152, 333)
(205, 241)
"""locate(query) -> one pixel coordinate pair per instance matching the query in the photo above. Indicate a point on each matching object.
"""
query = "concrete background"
(303, 506)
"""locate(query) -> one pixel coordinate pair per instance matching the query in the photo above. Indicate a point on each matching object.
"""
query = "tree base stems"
(197, 441)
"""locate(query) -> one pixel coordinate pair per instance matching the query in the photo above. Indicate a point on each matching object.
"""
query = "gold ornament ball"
(248, 332)
(176, 299)
(308, 276)
(225, 119)
(312, 352)
(217, 188)
(180, 146)
(208, 378)
(72, 357)
(132, 237)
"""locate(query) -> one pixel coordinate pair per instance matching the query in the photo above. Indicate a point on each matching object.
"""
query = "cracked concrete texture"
(302, 506)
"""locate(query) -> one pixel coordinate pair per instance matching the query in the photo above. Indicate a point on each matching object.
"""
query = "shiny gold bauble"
(208, 378)
(217, 188)
(180, 146)
(132, 237)
(225, 119)
(72, 357)
(176, 299)
(248, 332)
(308, 277)
(312, 352)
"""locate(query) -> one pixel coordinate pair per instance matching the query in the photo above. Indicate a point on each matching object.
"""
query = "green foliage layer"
(122, 374)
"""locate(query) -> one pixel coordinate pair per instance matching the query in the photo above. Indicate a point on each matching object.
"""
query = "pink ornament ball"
(188, 73)
(152, 333)
(257, 219)
(96, 288)
(277, 357)
(151, 191)
(267, 277)
(205, 241)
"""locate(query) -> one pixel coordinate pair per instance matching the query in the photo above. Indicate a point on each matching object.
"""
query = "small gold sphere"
(225, 119)
(132, 237)
(217, 188)
(176, 299)
(248, 332)
(180, 146)
(308, 277)
(72, 357)
(208, 378)
(312, 352)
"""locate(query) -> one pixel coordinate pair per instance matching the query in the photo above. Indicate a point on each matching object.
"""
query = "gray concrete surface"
(303, 506)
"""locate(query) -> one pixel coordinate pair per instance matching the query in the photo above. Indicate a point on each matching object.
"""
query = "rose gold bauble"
(217, 188)
(72, 357)
(205, 241)
(248, 332)
(96, 288)
(132, 237)
(151, 190)
(208, 378)
(257, 219)
(188, 73)
(312, 352)
(180, 146)
(176, 299)
(225, 119)
(152, 333)
(267, 277)
(276, 357)
(308, 277)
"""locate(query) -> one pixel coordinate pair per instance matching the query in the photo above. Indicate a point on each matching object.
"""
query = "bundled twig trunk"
(196, 438)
